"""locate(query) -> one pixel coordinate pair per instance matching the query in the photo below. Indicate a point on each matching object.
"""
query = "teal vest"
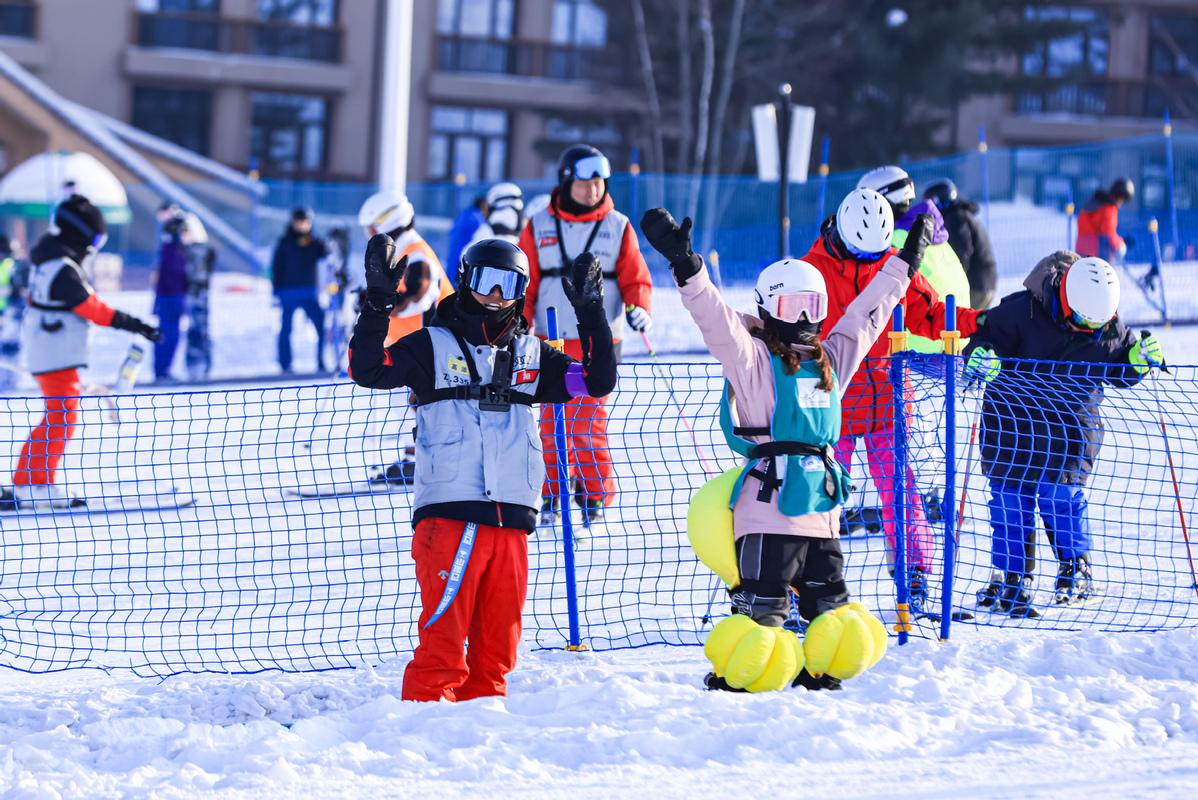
(803, 429)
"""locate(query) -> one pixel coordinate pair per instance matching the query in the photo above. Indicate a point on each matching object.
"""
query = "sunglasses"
(790, 308)
(484, 280)
(592, 167)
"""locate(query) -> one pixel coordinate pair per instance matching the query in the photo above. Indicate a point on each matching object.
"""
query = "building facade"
(289, 88)
(1130, 61)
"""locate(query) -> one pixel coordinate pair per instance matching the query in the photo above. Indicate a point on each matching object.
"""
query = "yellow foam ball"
(750, 659)
(782, 666)
(844, 642)
(722, 640)
(709, 526)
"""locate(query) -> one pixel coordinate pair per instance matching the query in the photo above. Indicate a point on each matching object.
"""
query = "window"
(182, 116)
(1076, 61)
(561, 132)
(1173, 46)
(468, 141)
(18, 19)
(179, 23)
(487, 19)
(179, 6)
(299, 12)
(580, 23)
(289, 133)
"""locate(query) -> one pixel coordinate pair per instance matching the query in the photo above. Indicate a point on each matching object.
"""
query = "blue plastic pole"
(825, 150)
(950, 472)
(253, 175)
(983, 148)
(1174, 237)
(1155, 272)
(898, 344)
(634, 174)
(563, 493)
(1069, 209)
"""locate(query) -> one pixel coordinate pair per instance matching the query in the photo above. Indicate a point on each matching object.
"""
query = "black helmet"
(942, 192)
(582, 162)
(494, 254)
(301, 213)
(80, 224)
(1122, 189)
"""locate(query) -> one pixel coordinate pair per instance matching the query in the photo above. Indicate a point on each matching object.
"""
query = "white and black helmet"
(891, 182)
(865, 223)
(384, 212)
(1090, 292)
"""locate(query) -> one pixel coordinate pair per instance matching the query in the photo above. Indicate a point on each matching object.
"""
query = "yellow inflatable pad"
(844, 642)
(753, 657)
(709, 526)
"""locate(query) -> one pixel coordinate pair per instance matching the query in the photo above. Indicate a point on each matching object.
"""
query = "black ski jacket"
(1040, 417)
(409, 362)
(970, 241)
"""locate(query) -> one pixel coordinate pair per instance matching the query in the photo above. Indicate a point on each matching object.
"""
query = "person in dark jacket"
(170, 292)
(968, 239)
(1045, 355)
(475, 373)
(465, 224)
(294, 272)
(1098, 222)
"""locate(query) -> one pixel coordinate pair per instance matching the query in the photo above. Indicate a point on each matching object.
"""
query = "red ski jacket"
(1096, 228)
(868, 403)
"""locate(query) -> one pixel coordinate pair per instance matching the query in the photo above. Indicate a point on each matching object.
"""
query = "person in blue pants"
(1045, 355)
(294, 271)
(170, 293)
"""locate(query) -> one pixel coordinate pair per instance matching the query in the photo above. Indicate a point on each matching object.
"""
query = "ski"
(348, 489)
(173, 500)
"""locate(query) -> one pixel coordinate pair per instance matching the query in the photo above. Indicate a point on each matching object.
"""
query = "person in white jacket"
(505, 214)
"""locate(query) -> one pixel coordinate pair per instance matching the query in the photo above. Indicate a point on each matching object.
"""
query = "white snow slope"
(995, 714)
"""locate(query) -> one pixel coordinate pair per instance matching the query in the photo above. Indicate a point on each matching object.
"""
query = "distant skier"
(1041, 427)
(477, 375)
(505, 214)
(170, 292)
(54, 341)
(293, 275)
(782, 412)
(1098, 222)
(201, 260)
(853, 246)
(969, 240)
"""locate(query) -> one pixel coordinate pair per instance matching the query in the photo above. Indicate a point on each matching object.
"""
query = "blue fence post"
(563, 492)
(825, 149)
(1170, 187)
(951, 338)
(1155, 273)
(1070, 208)
(634, 173)
(984, 162)
(898, 344)
(253, 176)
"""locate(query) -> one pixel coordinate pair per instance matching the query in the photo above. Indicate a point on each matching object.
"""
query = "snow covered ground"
(997, 714)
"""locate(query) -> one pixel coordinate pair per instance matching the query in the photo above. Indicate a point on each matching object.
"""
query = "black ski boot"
(988, 596)
(1075, 584)
(714, 683)
(917, 591)
(592, 512)
(401, 473)
(1016, 597)
(550, 511)
(814, 684)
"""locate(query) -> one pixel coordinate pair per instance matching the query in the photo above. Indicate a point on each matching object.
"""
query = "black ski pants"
(771, 563)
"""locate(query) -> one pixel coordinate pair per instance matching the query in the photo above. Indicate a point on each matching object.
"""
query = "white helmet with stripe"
(385, 211)
(505, 195)
(891, 182)
(865, 223)
(1090, 292)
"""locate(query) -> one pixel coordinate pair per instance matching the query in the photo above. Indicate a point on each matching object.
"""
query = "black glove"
(918, 239)
(383, 273)
(673, 242)
(583, 283)
(126, 322)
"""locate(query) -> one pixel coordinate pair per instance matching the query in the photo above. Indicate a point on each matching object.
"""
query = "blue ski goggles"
(485, 280)
(592, 167)
(863, 256)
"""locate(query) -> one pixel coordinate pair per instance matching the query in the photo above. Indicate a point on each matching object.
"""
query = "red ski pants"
(48, 441)
(586, 438)
(486, 610)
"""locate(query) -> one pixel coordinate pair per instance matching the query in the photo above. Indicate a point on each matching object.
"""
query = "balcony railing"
(18, 18)
(523, 58)
(1116, 98)
(242, 36)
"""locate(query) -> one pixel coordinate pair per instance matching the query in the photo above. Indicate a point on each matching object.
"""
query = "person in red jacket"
(54, 341)
(1097, 224)
(582, 218)
(852, 247)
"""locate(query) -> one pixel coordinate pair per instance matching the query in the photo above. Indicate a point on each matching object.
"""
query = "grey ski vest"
(605, 236)
(53, 337)
(479, 448)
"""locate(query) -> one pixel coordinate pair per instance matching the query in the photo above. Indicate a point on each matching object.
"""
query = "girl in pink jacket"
(781, 410)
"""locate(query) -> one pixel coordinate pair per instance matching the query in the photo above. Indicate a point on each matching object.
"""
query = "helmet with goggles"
(582, 163)
(494, 263)
(791, 290)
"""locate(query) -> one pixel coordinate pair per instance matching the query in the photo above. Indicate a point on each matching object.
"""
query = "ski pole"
(659, 370)
(1181, 514)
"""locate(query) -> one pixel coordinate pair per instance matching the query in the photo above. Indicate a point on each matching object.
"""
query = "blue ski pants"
(1013, 523)
(305, 300)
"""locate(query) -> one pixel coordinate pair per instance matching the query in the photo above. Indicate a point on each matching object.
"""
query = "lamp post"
(784, 170)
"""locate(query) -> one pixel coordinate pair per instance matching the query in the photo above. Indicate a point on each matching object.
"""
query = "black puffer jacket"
(1040, 417)
(970, 241)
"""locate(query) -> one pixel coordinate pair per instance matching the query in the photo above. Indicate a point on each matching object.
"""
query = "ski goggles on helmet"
(592, 167)
(484, 280)
(1078, 321)
(790, 308)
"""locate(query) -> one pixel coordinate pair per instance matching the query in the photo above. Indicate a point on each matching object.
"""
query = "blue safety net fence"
(198, 552)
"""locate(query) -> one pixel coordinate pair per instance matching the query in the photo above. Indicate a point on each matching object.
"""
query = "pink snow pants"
(879, 451)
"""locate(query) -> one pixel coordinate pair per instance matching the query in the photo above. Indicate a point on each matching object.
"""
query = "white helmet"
(891, 182)
(505, 195)
(865, 222)
(385, 211)
(537, 204)
(1090, 292)
(791, 289)
(194, 230)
